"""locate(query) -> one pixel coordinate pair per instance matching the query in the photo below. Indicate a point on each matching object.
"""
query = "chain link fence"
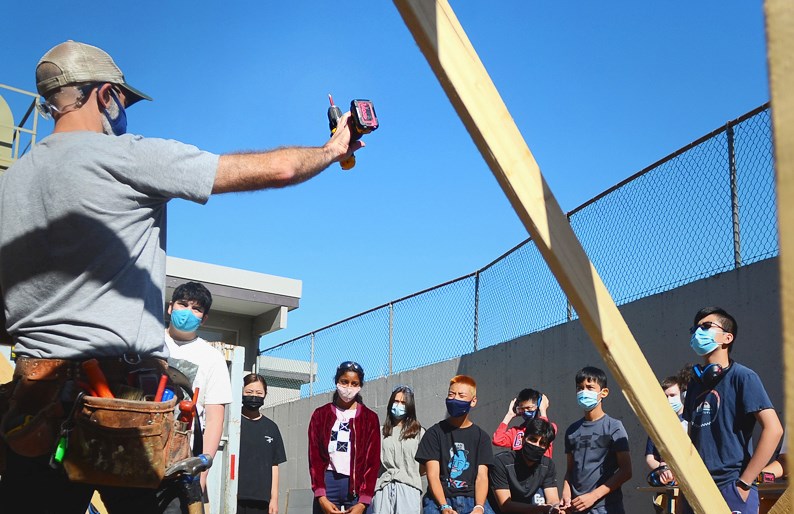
(707, 208)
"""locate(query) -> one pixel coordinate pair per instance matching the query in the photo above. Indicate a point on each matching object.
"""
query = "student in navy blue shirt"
(723, 403)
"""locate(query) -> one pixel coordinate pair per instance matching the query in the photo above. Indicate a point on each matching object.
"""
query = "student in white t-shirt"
(204, 365)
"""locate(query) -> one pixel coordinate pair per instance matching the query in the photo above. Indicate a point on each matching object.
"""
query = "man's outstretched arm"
(282, 167)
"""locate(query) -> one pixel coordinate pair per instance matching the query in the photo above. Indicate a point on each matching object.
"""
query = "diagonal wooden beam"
(780, 55)
(476, 100)
(6, 370)
(784, 504)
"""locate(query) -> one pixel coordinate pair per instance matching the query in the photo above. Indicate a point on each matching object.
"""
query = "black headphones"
(711, 375)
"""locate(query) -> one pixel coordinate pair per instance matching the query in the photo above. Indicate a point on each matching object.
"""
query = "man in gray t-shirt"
(82, 249)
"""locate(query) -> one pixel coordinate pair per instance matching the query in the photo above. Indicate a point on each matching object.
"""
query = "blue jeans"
(461, 505)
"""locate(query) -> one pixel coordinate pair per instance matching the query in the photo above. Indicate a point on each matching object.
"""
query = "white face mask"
(347, 393)
(675, 402)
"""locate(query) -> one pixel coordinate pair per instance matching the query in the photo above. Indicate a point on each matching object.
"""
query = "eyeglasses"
(47, 109)
(350, 365)
(706, 325)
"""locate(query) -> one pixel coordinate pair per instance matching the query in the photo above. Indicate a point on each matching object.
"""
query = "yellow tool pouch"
(125, 443)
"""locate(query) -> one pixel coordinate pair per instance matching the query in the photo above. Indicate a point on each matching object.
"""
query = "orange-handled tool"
(186, 408)
(97, 379)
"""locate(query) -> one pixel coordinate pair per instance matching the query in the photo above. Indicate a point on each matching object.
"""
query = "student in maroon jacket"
(344, 447)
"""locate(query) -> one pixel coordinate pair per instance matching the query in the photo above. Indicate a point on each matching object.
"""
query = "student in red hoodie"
(344, 447)
(529, 404)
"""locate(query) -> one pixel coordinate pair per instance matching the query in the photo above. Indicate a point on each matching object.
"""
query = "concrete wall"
(549, 360)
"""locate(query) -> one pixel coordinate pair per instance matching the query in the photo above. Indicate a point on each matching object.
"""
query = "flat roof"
(234, 290)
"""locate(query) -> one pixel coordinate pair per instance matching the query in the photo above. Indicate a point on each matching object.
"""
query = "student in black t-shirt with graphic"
(261, 451)
(525, 480)
(457, 453)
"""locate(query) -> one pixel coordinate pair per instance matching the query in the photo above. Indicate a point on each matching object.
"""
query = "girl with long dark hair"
(399, 487)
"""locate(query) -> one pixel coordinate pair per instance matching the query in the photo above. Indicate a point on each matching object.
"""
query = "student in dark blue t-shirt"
(723, 403)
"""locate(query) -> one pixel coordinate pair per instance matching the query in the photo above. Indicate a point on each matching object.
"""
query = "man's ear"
(604, 392)
(204, 318)
(473, 401)
(170, 307)
(728, 338)
(103, 96)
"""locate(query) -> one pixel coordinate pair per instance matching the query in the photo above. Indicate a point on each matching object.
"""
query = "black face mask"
(253, 402)
(532, 453)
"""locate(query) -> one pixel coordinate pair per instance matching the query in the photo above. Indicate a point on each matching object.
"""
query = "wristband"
(480, 507)
(445, 507)
(741, 484)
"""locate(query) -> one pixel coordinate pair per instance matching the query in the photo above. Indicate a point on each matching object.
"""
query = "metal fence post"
(311, 367)
(737, 248)
(476, 309)
(391, 335)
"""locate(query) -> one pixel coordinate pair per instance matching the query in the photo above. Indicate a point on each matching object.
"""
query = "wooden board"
(780, 54)
(479, 105)
(6, 370)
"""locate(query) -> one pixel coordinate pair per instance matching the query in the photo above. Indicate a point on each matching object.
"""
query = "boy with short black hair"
(723, 403)
(597, 448)
(457, 453)
(525, 480)
(204, 365)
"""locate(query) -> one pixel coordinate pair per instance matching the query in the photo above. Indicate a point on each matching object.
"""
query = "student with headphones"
(723, 403)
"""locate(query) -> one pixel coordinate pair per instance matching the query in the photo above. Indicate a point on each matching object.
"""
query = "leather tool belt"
(106, 441)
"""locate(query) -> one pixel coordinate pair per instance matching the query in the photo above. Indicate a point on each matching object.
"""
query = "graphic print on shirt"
(340, 437)
(706, 411)
(458, 463)
(518, 440)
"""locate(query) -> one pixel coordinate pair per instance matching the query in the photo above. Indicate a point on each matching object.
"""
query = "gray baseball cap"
(78, 63)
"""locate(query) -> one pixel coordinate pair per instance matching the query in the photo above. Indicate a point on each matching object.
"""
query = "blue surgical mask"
(588, 399)
(675, 402)
(529, 414)
(115, 120)
(184, 320)
(398, 410)
(703, 342)
(457, 408)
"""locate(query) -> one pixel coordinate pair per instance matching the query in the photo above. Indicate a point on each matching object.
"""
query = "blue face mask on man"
(702, 341)
(115, 117)
(457, 408)
(588, 399)
(185, 320)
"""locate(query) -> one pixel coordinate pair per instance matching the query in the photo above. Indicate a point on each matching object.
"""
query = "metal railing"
(15, 137)
(704, 209)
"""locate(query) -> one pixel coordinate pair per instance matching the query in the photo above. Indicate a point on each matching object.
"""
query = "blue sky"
(598, 89)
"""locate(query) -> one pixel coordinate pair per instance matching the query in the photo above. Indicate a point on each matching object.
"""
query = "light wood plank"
(780, 55)
(479, 105)
(6, 370)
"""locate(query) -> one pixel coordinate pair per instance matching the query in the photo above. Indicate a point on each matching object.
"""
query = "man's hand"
(328, 507)
(585, 501)
(339, 144)
(272, 506)
(449, 511)
(566, 502)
